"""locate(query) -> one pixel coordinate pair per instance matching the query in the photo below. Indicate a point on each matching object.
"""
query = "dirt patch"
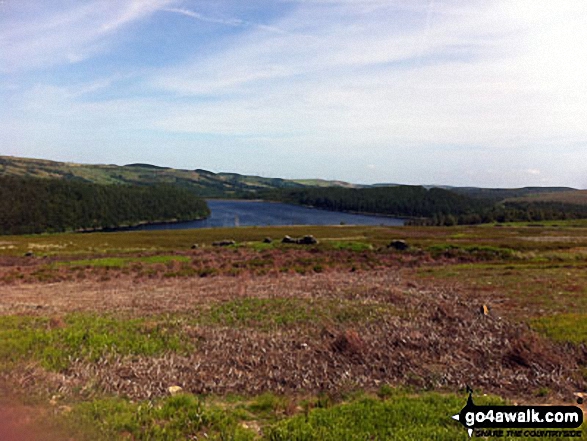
(126, 295)
(26, 423)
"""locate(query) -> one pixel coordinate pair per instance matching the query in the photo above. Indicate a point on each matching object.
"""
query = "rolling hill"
(204, 183)
(233, 185)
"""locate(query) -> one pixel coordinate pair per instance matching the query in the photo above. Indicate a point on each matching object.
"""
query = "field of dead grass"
(98, 317)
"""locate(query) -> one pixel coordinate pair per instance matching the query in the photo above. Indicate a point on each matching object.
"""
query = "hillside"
(501, 194)
(209, 184)
(576, 197)
(34, 205)
(204, 183)
(325, 183)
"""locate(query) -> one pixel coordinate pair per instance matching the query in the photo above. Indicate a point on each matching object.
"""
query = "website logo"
(483, 419)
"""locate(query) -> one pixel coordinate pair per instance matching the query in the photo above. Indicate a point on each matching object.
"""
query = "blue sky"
(484, 93)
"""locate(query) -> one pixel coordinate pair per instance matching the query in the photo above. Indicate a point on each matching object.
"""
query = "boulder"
(223, 243)
(306, 240)
(267, 240)
(195, 246)
(288, 239)
(399, 245)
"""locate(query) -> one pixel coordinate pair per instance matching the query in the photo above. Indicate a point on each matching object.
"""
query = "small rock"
(29, 254)
(267, 240)
(174, 390)
(223, 243)
(307, 240)
(400, 245)
(195, 246)
(251, 425)
(287, 239)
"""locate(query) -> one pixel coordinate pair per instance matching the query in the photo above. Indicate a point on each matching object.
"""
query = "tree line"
(36, 205)
(435, 206)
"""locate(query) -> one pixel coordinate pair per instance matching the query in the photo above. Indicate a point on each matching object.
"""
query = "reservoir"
(233, 213)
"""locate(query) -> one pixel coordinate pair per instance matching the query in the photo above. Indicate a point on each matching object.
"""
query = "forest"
(35, 205)
(435, 206)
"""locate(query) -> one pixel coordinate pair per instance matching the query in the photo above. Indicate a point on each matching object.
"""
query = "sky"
(486, 93)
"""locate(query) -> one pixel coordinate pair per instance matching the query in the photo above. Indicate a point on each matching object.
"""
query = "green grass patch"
(570, 328)
(262, 246)
(56, 342)
(273, 313)
(180, 417)
(119, 262)
(352, 246)
(400, 417)
(398, 414)
(267, 407)
(478, 251)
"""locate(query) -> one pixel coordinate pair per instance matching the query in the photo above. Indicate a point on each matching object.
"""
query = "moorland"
(161, 335)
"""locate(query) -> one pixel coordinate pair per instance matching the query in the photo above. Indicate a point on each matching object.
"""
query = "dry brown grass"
(305, 322)
(432, 338)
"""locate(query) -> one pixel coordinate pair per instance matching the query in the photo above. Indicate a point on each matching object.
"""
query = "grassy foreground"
(347, 339)
(391, 415)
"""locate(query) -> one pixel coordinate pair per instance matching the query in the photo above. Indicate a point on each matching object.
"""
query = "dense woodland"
(401, 200)
(435, 206)
(35, 205)
(30, 205)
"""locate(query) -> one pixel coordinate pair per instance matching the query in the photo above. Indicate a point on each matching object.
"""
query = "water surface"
(231, 213)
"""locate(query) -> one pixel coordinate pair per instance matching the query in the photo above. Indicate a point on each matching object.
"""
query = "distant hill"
(209, 184)
(576, 197)
(501, 194)
(202, 182)
(325, 183)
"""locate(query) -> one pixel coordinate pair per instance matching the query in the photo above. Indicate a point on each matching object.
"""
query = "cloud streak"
(443, 91)
(234, 22)
(467, 83)
(41, 39)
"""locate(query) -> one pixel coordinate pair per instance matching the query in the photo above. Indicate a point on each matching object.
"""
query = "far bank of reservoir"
(231, 213)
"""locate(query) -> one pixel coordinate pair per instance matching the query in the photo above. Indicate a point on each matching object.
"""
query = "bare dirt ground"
(20, 422)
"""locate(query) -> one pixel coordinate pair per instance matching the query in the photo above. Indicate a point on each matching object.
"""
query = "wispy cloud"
(472, 81)
(235, 22)
(201, 17)
(426, 90)
(49, 37)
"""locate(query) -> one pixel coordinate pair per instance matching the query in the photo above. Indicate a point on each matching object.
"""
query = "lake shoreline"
(249, 213)
(137, 225)
(361, 213)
